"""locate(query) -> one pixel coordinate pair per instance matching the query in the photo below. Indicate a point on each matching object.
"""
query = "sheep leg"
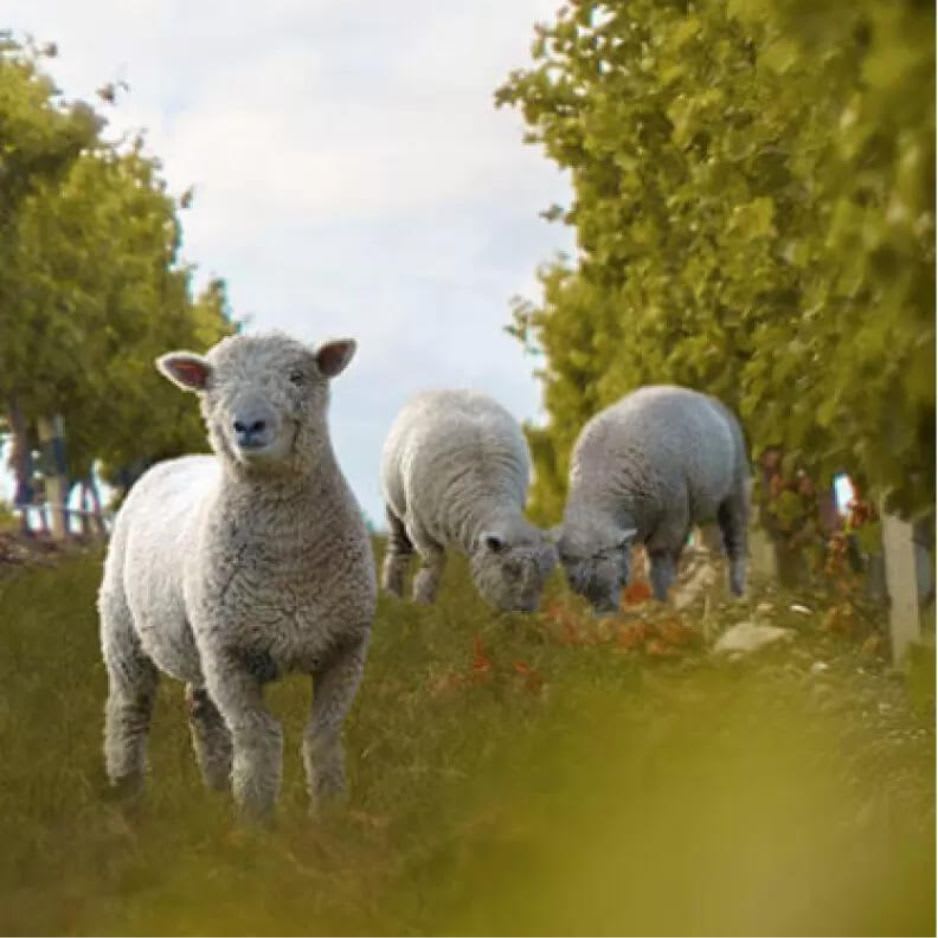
(210, 738)
(397, 556)
(334, 687)
(132, 683)
(662, 572)
(427, 580)
(733, 518)
(256, 737)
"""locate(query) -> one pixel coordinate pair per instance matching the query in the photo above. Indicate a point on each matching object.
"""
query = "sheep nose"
(249, 431)
(249, 428)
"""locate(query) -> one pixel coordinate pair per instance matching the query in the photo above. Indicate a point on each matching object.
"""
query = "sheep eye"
(297, 378)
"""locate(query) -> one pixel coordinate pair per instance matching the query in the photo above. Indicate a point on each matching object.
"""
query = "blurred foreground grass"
(502, 783)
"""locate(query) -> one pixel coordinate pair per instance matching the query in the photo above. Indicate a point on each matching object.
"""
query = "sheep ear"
(492, 541)
(626, 537)
(332, 357)
(189, 371)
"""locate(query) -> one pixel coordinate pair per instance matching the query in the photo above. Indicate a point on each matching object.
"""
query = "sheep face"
(510, 572)
(597, 568)
(264, 398)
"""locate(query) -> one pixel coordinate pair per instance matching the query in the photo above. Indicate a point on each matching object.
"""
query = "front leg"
(256, 737)
(210, 738)
(335, 684)
(662, 572)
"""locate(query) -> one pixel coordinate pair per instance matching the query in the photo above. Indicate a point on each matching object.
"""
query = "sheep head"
(597, 562)
(510, 564)
(264, 398)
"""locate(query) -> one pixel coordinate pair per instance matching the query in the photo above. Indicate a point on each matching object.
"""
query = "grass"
(503, 781)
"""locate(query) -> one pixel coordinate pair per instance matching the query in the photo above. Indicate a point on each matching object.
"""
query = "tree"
(93, 289)
(753, 201)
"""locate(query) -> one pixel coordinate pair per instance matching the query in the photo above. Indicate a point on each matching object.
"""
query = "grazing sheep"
(227, 571)
(648, 468)
(455, 471)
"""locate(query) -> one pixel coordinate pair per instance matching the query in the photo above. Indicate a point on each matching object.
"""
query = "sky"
(352, 178)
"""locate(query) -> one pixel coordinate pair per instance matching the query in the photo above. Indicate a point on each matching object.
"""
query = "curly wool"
(648, 468)
(455, 472)
(225, 572)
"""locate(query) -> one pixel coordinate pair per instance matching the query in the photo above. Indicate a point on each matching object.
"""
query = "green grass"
(624, 796)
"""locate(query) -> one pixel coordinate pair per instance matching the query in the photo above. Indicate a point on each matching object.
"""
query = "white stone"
(749, 637)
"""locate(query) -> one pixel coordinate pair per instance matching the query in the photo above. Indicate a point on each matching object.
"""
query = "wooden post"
(762, 553)
(902, 585)
(51, 440)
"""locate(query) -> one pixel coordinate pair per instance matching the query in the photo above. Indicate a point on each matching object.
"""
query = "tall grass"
(501, 782)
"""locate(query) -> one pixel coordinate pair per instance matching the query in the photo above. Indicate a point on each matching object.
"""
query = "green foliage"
(753, 200)
(619, 796)
(92, 288)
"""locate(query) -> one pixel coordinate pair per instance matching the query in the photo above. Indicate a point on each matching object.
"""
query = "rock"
(747, 637)
(803, 610)
(819, 667)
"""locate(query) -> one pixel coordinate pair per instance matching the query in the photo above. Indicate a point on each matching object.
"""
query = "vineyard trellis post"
(899, 553)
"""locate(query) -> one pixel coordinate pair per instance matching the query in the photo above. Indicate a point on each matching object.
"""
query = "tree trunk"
(96, 502)
(51, 439)
(20, 462)
(84, 503)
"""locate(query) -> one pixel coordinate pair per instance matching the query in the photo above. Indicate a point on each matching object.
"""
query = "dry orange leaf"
(632, 636)
(531, 676)
(660, 649)
(638, 591)
(481, 662)
(839, 619)
(675, 632)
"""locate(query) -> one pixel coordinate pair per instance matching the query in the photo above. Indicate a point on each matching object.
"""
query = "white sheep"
(225, 571)
(646, 469)
(455, 472)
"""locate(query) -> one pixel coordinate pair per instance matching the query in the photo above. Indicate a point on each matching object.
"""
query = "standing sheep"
(227, 571)
(648, 468)
(455, 471)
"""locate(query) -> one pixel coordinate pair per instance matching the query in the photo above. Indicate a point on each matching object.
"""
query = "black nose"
(249, 428)
(249, 431)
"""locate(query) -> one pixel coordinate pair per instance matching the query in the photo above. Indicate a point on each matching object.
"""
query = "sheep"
(226, 571)
(646, 469)
(454, 472)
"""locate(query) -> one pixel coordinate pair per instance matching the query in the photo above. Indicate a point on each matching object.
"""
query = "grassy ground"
(510, 775)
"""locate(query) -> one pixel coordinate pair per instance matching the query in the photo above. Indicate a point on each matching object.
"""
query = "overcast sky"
(352, 177)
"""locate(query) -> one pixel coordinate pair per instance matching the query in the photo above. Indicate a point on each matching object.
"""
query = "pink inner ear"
(189, 372)
(332, 358)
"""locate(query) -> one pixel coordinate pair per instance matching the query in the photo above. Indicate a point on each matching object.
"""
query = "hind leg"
(733, 518)
(210, 738)
(398, 554)
(132, 683)
(664, 549)
(427, 580)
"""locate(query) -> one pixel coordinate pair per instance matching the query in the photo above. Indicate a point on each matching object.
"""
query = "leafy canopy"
(754, 207)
